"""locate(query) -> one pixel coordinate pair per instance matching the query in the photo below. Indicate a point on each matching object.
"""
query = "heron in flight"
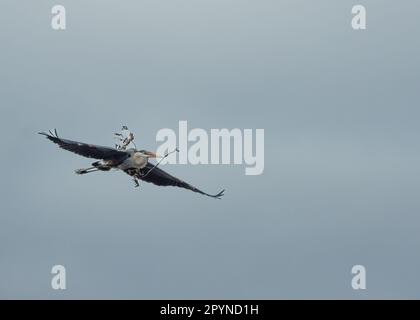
(132, 161)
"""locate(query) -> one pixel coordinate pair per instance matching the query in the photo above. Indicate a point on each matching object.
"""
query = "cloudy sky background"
(342, 156)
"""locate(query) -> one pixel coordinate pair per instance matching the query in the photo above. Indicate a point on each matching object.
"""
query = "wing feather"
(162, 178)
(86, 150)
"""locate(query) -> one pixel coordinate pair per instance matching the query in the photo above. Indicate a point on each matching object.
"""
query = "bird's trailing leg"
(87, 170)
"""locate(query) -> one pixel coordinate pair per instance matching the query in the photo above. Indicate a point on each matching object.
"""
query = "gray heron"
(132, 161)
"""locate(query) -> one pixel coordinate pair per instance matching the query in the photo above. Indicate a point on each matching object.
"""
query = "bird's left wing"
(162, 178)
(86, 150)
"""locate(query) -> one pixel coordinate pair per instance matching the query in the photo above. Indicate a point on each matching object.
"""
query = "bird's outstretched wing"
(161, 178)
(86, 150)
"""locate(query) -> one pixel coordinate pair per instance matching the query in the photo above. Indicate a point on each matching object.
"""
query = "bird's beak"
(153, 155)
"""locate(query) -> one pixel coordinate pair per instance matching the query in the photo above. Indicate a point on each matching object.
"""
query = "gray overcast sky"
(341, 180)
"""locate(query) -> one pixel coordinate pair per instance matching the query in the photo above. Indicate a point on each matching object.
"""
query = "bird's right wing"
(161, 178)
(86, 150)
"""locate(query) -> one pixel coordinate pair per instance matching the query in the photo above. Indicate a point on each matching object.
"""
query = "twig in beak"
(145, 175)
